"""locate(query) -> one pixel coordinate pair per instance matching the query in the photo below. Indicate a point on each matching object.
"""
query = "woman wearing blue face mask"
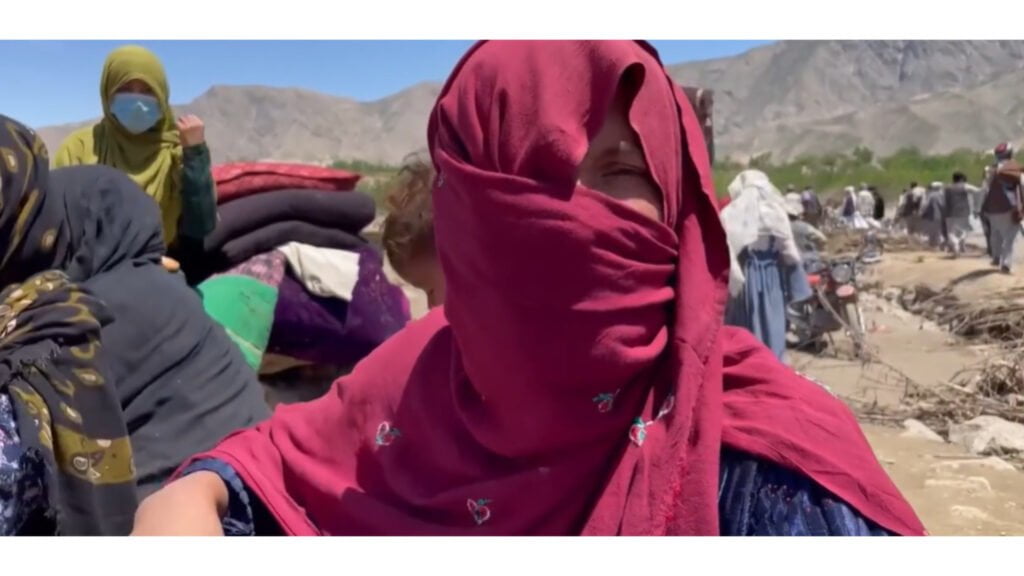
(138, 135)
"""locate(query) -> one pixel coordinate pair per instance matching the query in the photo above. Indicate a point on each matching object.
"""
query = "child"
(408, 234)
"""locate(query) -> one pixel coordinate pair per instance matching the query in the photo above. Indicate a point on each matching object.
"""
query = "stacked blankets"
(264, 205)
(288, 272)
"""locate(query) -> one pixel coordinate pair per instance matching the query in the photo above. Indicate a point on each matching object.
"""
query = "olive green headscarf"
(152, 159)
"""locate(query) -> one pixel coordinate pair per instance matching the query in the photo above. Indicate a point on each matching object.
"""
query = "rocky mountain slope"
(788, 98)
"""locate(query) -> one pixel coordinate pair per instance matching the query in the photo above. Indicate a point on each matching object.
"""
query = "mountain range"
(788, 99)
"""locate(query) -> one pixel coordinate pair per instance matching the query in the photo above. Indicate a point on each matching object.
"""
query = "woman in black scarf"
(180, 382)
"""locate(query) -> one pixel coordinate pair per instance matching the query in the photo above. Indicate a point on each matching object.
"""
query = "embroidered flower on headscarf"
(605, 401)
(666, 407)
(478, 508)
(386, 434)
(638, 432)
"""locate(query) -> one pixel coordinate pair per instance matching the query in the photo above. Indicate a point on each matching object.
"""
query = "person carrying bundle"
(959, 201)
(1003, 206)
(757, 225)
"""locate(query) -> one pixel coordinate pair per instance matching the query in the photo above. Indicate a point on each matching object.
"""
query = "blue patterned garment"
(22, 484)
(755, 498)
(239, 519)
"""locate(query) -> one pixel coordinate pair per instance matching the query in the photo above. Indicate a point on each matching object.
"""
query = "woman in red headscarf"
(578, 379)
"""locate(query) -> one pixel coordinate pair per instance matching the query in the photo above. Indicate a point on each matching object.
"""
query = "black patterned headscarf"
(33, 232)
(67, 410)
(49, 222)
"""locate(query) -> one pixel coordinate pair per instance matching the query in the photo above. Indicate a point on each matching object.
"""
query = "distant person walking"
(1003, 204)
(852, 210)
(757, 225)
(959, 203)
(807, 237)
(979, 201)
(909, 208)
(849, 207)
(879, 213)
(933, 213)
(866, 203)
(813, 210)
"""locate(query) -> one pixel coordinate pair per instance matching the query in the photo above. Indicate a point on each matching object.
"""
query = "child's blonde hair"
(408, 231)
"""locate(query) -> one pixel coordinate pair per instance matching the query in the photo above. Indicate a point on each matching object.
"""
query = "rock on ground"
(917, 429)
(988, 435)
(973, 485)
(968, 513)
(990, 463)
(891, 294)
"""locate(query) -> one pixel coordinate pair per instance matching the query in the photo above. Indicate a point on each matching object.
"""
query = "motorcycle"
(834, 306)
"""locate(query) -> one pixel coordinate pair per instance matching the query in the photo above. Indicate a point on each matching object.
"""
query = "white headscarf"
(794, 205)
(756, 210)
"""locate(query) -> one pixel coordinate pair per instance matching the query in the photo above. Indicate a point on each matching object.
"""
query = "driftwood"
(993, 387)
(846, 241)
(998, 318)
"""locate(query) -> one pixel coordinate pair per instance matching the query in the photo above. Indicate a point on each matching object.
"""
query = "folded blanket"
(242, 179)
(351, 212)
(332, 331)
(200, 264)
(279, 233)
(324, 272)
(243, 300)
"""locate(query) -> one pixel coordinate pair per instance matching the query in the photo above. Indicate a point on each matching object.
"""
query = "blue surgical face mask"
(137, 113)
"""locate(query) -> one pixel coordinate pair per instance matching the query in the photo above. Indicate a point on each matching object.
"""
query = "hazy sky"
(46, 82)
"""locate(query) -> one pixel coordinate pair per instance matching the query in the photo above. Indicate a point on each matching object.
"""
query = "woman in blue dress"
(768, 274)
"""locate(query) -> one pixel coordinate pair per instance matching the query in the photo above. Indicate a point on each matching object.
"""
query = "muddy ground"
(954, 492)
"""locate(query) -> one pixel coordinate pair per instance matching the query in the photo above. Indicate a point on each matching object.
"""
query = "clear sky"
(48, 82)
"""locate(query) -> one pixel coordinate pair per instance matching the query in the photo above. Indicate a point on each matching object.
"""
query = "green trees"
(375, 181)
(828, 174)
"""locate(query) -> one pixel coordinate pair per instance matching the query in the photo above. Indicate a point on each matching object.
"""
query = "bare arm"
(816, 235)
(190, 506)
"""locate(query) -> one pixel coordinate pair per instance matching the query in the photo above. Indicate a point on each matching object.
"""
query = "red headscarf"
(579, 379)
